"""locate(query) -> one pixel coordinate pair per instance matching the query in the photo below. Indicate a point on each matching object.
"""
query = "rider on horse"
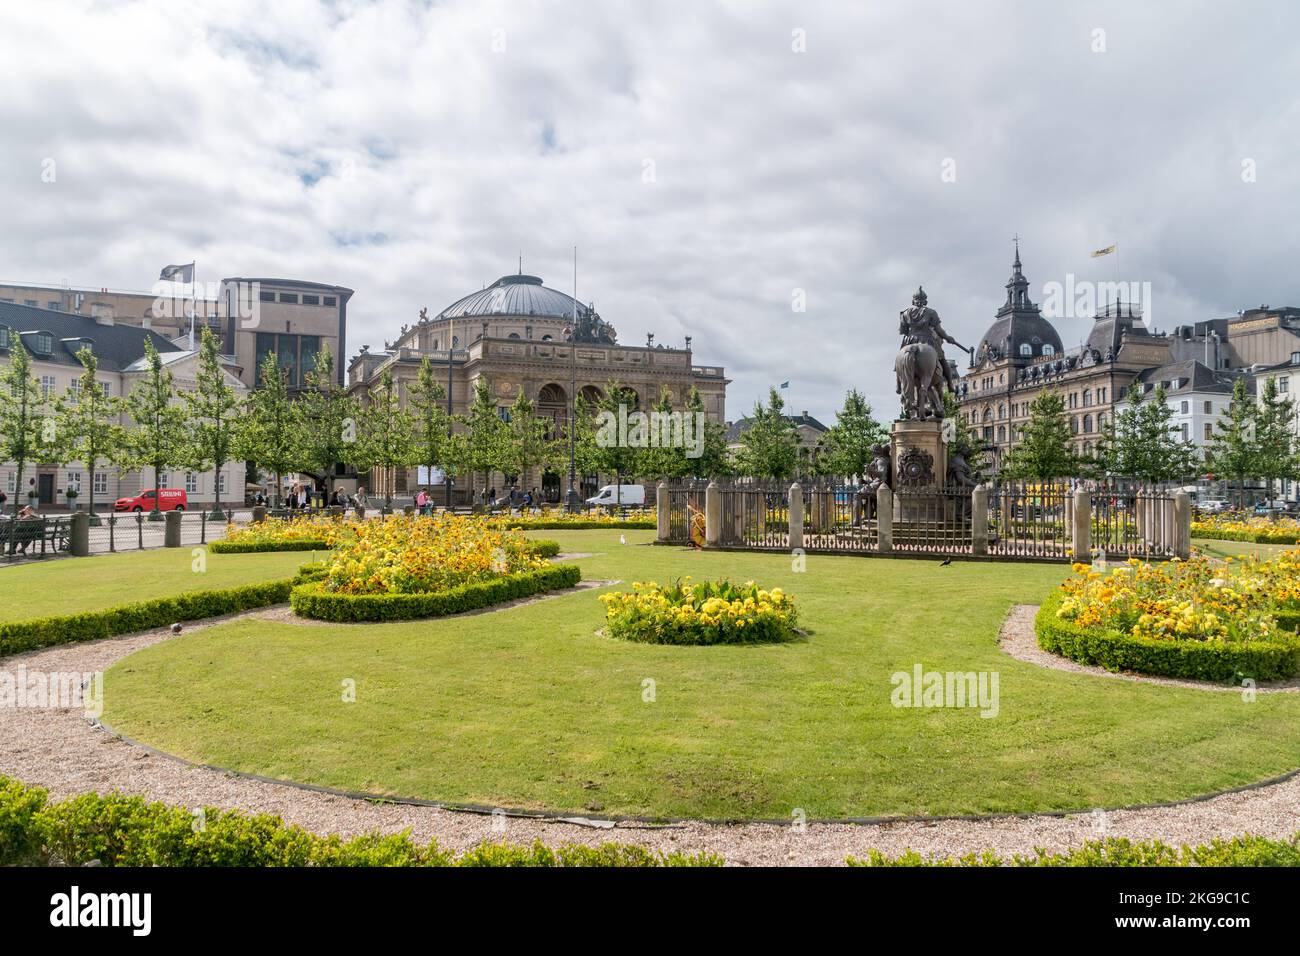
(920, 324)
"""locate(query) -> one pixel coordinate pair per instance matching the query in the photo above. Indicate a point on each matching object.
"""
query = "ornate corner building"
(518, 334)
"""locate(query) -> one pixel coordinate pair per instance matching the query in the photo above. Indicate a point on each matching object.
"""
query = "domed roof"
(1019, 330)
(513, 295)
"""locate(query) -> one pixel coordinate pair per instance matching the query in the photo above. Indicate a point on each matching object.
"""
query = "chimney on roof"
(805, 413)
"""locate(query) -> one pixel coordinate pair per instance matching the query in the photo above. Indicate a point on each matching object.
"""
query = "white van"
(612, 496)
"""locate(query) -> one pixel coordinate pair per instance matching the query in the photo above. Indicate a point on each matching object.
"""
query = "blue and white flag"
(183, 273)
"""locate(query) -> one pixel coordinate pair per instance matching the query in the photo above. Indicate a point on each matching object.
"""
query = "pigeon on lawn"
(622, 539)
(945, 562)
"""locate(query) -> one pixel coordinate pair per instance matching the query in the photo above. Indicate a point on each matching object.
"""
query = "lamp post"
(451, 341)
(571, 498)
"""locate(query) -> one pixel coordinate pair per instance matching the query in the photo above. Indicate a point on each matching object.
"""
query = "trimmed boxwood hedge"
(1247, 850)
(257, 547)
(1250, 537)
(633, 524)
(543, 548)
(18, 636)
(1194, 660)
(309, 600)
(118, 830)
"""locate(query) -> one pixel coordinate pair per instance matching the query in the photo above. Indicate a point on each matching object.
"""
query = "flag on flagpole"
(183, 273)
(1105, 252)
(785, 384)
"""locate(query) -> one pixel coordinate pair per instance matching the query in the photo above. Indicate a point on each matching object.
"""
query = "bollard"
(662, 515)
(79, 536)
(712, 514)
(259, 514)
(884, 520)
(796, 517)
(979, 520)
(172, 529)
(1082, 531)
(1182, 525)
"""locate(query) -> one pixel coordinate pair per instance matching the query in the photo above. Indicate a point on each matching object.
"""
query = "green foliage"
(1220, 662)
(482, 445)
(157, 436)
(1045, 451)
(542, 548)
(426, 398)
(577, 524)
(597, 452)
(664, 462)
(769, 447)
(16, 636)
(22, 406)
(385, 434)
(525, 441)
(213, 409)
(1234, 449)
(1140, 441)
(267, 434)
(257, 547)
(120, 830)
(88, 422)
(846, 447)
(325, 417)
(1247, 850)
(309, 600)
(1275, 436)
(714, 461)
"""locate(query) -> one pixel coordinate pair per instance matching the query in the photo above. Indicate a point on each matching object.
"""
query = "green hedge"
(1251, 537)
(117, 830)
(309, 600)
(17, 636)
(1194, 660)
(1245, 850)
(543, 548)
(256, 547)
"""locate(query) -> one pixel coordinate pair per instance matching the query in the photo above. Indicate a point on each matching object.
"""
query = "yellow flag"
(1107, 251)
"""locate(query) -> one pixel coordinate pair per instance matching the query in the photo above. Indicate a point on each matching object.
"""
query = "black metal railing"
(1029, 519)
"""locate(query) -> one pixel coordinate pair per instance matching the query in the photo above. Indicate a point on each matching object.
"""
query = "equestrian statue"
(921, 369)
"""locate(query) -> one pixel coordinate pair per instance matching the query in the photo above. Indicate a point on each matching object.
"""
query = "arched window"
(1002, 433)
(988, 414)
(1002, 411)
(513, 335)
(1087, 424)
(1087, 397)
(1049, 349)
(1026, 349)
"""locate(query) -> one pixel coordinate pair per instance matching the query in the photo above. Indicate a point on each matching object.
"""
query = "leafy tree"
(22, 404)
(385, 433)
(664, 461)
(484, 445)
(268, 434)
(426, 400)
(846, 447)
(325, 416)
(1045, 451)
(1275, 435)
(214, 410)
(769, 447)
(525, 444)
(1141, 441)
(157, 436)
(1234, 449)
(714, 461)
(89, 423)
(607, 452)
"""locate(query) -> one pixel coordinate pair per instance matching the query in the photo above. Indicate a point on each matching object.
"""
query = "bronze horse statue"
(919, 380)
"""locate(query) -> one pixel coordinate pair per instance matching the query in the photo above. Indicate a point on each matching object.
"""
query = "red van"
(169, 499)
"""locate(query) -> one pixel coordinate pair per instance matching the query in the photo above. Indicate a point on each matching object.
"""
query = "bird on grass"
(945, 562)
(176, 628)
(622, 539)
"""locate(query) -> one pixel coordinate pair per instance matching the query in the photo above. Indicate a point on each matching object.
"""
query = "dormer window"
(1295, 358)
(4, 336)
(40, 342)
(1049, 349)
(1026, 349)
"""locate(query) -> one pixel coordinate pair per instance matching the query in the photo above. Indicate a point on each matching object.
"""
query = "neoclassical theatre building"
(520, 334)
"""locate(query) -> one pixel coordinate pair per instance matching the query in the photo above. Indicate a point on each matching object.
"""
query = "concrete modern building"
(52, 339)
(253, 316)
(518, 334)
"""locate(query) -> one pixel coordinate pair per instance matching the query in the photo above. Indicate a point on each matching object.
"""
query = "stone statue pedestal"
(919, 458)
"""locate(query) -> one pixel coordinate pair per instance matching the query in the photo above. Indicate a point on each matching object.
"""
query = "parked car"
(1212, 506)
(612, 496)
(168, 499)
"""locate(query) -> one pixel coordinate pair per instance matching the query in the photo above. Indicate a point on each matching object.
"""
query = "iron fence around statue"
(933, 521)
(685, 499)
(834, 519)
(1030, 519)
(755, 516)
(1132, 521)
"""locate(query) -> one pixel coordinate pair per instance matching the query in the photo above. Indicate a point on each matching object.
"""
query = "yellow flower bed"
(1186, 600)
(272, 531)
(421, 555)
(1260, 530)
(559, 518)
(706, 613)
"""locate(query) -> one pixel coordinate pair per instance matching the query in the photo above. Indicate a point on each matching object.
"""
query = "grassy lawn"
(528, 707)
(68, 585)
(1221, 549)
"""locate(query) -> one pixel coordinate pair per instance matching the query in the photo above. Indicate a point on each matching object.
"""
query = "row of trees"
(1251, 440)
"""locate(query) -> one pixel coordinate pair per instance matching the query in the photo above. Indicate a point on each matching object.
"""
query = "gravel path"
(60, 750)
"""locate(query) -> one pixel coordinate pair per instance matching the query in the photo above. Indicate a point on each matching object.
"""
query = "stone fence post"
(662, 513)
(259, 514)
(979, 520)
(712, 514)
(796, 516)
(79, 536)
(884, 520)
(1182, 525)
(1082, 530)
(172, 529)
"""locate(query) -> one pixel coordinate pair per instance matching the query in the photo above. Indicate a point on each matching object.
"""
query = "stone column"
(661, 512)
(1182, 525)
(1082, 525)
(712, 514)
(172, 529)
(796, 516)
(884, 520)
(979, 520)
(79, 536)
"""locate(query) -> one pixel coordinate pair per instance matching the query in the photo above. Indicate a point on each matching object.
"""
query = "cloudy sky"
(713, 162)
